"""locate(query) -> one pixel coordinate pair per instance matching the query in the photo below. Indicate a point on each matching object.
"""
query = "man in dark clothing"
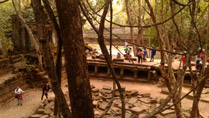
(46, 89)
(153, 52)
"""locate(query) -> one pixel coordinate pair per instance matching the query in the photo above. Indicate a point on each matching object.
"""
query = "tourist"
(197, 61)
(18, 95)
(139, 55)
(144, 54)
(153, 52)
(129, 52)
(126, 44)
(126, 49)
(45, 91)
(184, 59)
(202, 54)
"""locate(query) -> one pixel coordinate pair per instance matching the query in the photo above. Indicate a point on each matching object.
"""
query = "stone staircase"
(14, 72)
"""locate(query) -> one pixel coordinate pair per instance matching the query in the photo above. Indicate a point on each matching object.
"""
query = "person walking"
(45, 90)
(18, 95)
(153, 52)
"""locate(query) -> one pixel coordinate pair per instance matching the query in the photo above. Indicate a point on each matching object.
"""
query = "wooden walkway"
(125, 69)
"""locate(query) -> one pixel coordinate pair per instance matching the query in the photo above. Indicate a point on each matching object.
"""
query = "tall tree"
(140, 28)
(76, 66)
(59, 49)
(131, 28)
(41, 19)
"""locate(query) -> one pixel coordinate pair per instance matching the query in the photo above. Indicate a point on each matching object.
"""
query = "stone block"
(45, 116)
(153, 101)
(40, 111)
(36, 116)
(145, 95)
(128, 115)
(51, 99)
(48, 111)
(104, 92)
(137, 110)
(106, 88)
(96, 112)
(95, 103)
(132, 101)
(49, 105)
(102, 106)
(186, 114)
(168, 111)
(94, 90)
(134, 93)
(145, 100)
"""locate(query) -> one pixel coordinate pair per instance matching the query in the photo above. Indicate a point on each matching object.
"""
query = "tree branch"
(3, 1)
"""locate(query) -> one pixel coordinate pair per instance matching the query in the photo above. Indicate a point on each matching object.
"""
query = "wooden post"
(149, 75)
(155, 75)
(135, 74)
(108, 71)
(121, 72)
(96, 69)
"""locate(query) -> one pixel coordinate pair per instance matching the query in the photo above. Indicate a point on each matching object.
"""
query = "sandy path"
(31, 100)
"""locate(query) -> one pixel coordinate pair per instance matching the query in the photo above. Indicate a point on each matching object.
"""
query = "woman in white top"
(18, 92)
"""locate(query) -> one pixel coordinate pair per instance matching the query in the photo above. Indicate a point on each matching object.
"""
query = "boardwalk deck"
(125, 69)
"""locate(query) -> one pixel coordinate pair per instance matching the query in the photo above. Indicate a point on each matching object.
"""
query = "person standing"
(18, 94)
(126, 44)
(139, 55)
(198, 59)
(45, 91)
(202, 54)
(153, 52)
(184, 58)
(144, 54)
(126, 49)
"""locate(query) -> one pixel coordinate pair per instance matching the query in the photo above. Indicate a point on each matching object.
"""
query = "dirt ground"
(32, 98)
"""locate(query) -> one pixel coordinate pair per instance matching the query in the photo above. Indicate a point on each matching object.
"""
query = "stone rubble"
(137, 105)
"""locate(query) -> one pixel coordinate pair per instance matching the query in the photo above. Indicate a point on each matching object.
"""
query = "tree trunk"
(40, 18)
(140, 28)
(59, 49)
(16, 26)
(195, 108)
(131, 28)
(76, 66)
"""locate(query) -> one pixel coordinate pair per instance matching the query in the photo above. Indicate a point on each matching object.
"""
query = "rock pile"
(45, 110)
(137, 105)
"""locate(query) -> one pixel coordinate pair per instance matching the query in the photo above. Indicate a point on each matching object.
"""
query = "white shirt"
(18, 91)
(126, 44)
(198, 58)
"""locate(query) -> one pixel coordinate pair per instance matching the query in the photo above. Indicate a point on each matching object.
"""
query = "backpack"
(139, 54)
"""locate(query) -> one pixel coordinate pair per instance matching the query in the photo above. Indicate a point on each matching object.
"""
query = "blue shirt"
(145, 53)
(152, 51)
